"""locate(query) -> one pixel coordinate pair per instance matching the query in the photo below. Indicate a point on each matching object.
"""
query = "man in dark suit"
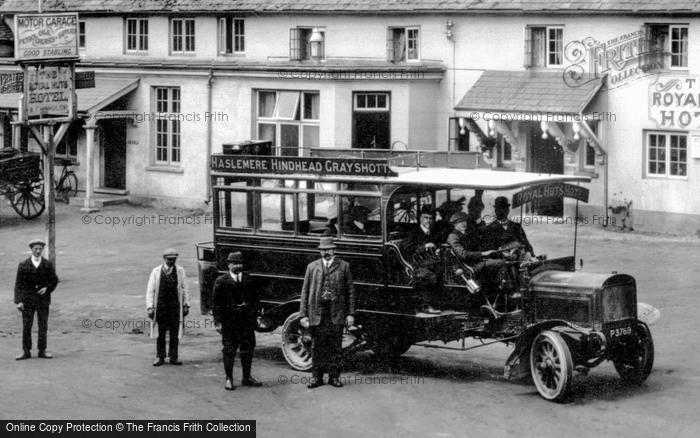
(235, 316)
(504, 231)
(327, 304)
(422, 248)
(36, 280)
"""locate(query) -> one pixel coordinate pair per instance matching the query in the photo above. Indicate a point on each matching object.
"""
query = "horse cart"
(22, 182)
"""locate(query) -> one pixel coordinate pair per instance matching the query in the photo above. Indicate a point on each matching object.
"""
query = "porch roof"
(527, 92)
(107, 90)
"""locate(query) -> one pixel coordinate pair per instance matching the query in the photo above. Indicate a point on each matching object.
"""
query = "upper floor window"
(136, 34)
(403, 44)
(670, 40)
(544, 46)
(81, 34)
(182, 31)
(300, 43)
(231, 35)
(667, 154)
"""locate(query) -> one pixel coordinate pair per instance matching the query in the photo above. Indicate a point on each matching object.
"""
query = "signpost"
(46, 47)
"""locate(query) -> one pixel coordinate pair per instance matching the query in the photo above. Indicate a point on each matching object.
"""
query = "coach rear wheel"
(551, 365)
(296, 343)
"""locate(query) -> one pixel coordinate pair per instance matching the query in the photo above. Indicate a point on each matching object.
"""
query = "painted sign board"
(14, 82)
(41, 37)
(292, 165)
(48, 92)
(551, 190)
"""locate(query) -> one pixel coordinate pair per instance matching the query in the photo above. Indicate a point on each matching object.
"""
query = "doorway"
(114, 147)
(546, 156)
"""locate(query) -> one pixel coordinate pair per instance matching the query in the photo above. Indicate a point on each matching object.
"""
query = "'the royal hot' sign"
(551, 190)
(46, 37)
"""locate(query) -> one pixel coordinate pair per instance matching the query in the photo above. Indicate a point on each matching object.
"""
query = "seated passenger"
(421, 250)
(447, 209)
(504, 231)
(358, 219)
(466, 243)
(423, 236)
(331, 227)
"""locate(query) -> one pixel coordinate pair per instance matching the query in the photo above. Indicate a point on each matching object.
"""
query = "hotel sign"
(49, 92)
(46, 37)
(551, 190)
(294, 165)
(675, 103)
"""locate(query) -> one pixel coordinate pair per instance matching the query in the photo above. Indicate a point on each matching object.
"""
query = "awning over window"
(532, 95)
(106, 91)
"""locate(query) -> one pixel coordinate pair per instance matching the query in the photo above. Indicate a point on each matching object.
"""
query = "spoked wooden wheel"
(296, 343)
(27, 198)
(551, 365)
(636, 359)
(67, 188)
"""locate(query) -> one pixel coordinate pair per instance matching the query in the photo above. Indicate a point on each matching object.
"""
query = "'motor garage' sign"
(46, 36)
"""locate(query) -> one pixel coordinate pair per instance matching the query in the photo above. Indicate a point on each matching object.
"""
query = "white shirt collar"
(36, 261)
(236, 277)
(425, 230)
(328, 263)
(359, 225)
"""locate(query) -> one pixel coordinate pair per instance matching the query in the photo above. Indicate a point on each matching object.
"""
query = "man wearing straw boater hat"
(167, 304)
(235, 312)
(36, 280)
(327, 304)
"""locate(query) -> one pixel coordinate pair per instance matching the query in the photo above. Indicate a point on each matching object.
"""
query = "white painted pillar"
(89, 205)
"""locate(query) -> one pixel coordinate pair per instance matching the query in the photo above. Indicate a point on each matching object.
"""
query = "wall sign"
(46, 37)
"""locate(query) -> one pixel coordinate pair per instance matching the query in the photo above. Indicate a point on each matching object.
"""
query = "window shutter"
(390, 45)
(295, 44)
(527, 57)
(222, 35)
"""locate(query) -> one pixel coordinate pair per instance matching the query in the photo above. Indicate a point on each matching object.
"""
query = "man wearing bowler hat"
(167, 304)
(36, 280)
(503, 231)
(235, 313)
(327, 304)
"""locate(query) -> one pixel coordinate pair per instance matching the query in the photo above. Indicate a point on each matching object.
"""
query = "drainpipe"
(603, 152)
(210, 81)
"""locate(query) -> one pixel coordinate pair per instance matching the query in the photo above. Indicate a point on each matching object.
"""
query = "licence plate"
(620, 331)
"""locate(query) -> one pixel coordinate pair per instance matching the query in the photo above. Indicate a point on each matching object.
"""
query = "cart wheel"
(67, 188)
(551, 365)
(296, 343)
(27, 198)
(636, 358)
(405, 212)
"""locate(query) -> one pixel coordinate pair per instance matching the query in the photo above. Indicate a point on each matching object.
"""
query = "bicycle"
(67, 183)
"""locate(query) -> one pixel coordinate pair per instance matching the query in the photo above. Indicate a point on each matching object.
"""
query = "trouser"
(326, 347)
(241, 338)
(168, 321)
(427, 285)
(42, 312)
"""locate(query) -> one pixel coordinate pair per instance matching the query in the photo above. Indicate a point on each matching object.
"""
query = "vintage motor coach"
(274, 210)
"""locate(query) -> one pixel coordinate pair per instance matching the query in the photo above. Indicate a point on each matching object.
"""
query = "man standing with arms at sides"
(167, 304)
(36, 279)
(327, 304)
(235, 315)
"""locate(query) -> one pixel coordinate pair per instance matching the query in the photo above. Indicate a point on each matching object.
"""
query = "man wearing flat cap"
(504, 231)
(36, 280)
(327, 304)
(167, 304)
(466, 245)
(235, 312)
